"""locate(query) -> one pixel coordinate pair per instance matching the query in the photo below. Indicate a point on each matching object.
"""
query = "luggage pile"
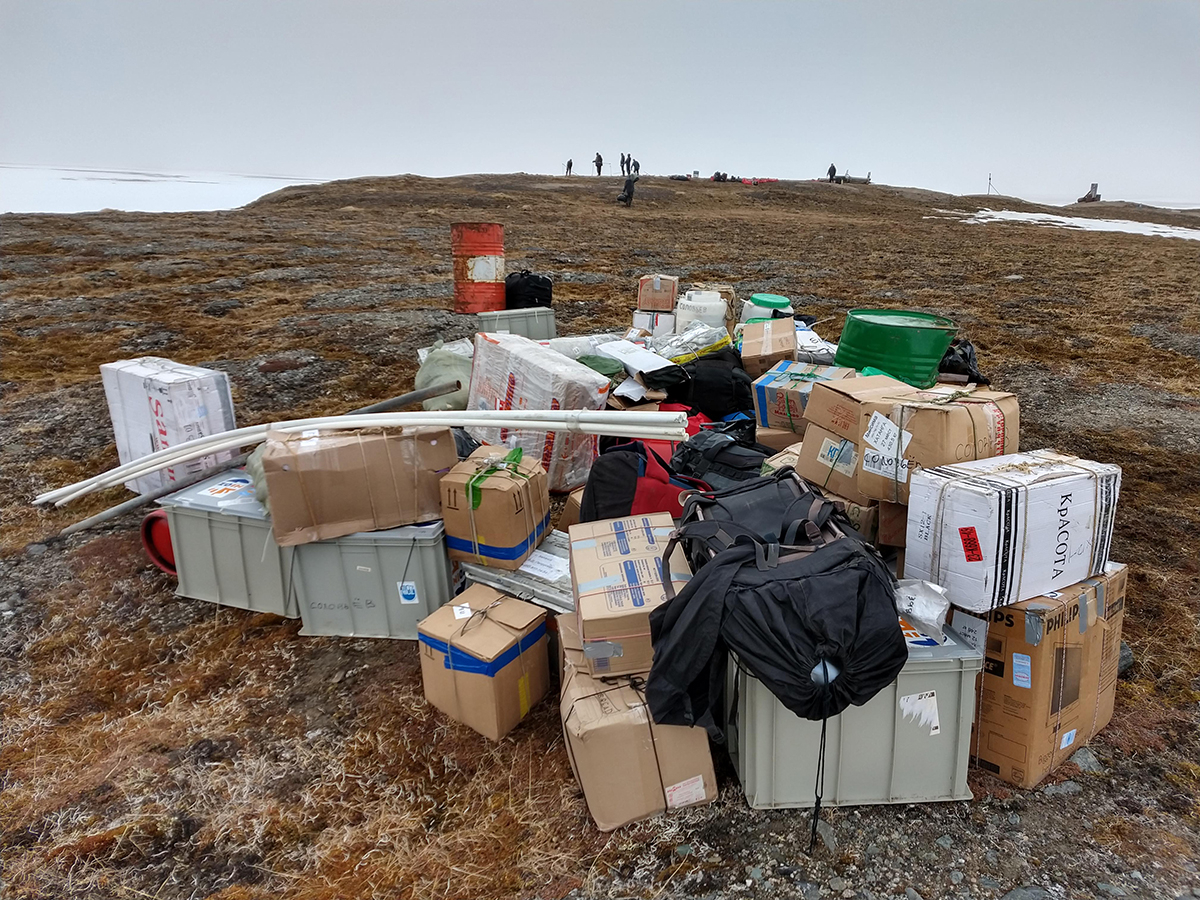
(853, 584)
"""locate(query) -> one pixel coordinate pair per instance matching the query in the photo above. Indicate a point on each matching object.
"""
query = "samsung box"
(617, 576)
(628, 767)
(484, 661)
(766, 343)
(1050, 675)
(657, 292)
(908, 744)
(997, 531)
(157, 403)
(512, 372)
(496, 507)
(323, 484)
(781, 395)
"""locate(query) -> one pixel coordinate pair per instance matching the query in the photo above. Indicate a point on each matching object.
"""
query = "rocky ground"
(158, 747)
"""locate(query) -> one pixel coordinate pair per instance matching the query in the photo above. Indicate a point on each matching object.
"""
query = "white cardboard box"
(657, 323)
(156, 403)
(1002, 530)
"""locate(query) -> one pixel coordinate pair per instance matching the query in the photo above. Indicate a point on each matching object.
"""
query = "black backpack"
(717, 458)
(630, 479)
(525, 290)
(717, 385)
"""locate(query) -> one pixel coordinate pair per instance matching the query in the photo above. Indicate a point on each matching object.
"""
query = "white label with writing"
(922, 708)
(971, 629)
(408, 592)
(461, 611)
(546, 565)
(886, 465)
(838, 455)
(885, 435)
(1068, 739)
(685, 793)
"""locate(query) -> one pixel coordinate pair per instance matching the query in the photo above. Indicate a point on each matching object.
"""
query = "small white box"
(1002, 530)
(657, 323)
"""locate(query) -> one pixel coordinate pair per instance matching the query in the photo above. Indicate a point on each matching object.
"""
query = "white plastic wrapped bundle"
(695, 340)
(513, 372)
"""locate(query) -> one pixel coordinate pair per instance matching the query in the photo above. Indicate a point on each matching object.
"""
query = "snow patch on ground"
(988, 216)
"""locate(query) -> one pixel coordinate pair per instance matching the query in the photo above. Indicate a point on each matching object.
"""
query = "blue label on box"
(1022, 671)
(622, 539)
(636, 594)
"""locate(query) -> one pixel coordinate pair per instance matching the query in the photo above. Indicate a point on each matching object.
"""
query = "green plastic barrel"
(907, 344)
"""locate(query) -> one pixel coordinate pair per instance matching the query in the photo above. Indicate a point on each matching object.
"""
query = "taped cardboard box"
(570, 648)
(496, 507)
(512, 372)
(777, 439)
(570, 513)
(157, 403)
(766, 343)
(931, 428)
(628, 767)
(998, 531)
(484, 660)
(781, 395)
(657, 292)
(788, 456)
(617, 577)
(831, 463)
(327, 484)
(1049, 675)
(837, 405)
(893, 524)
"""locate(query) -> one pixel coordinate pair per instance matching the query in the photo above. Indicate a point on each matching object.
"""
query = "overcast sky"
(1045, 96)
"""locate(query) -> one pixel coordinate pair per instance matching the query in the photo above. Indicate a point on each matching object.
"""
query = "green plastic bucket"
(907, 344)
(770, 301)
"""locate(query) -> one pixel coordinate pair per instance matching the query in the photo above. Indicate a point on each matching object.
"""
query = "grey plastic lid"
(230, 493)
(921, 646)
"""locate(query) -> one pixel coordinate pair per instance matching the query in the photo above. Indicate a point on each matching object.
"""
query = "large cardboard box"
(777, 439)
(496, 506)
(781, 395)
(512, 372)
(831, 463)
(157, 403)
(484, 661)
(766, 343)
(628, 767)
(1049, 676)
(326, 484)
(931, 428)
(657, 292)
(998, 531)
(570, 648)
(617, 574)
(893, 524)
(837, 405)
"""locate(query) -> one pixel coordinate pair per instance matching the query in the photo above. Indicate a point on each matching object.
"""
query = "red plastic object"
(478, 251)
(156, 538)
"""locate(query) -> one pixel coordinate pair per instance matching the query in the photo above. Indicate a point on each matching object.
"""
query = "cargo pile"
(833, 562)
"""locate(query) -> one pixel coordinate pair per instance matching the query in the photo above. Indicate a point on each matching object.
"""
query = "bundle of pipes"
(670, 426)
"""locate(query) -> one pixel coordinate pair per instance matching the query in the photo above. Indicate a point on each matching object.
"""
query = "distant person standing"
(598, 162)
(570, 162)
(624, 164)
(635, 167)
(832, 172)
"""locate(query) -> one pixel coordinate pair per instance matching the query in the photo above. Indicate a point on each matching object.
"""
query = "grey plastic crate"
(536, 323)
(555, 595)
(373, 584)
(883, 752)
(224, 550)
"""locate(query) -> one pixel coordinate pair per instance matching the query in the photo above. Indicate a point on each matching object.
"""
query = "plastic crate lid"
(228, 493)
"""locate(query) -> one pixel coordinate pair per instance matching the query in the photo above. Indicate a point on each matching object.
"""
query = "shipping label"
(408, 592)
(886, 465)
(922, 708)
(1022, 674)
(885, 436)
(972, 552)
(839, 456)
(685, 793)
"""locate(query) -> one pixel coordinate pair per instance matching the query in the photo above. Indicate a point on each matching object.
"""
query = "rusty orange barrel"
(478, 249)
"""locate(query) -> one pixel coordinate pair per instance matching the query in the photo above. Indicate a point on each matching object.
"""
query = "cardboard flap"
(866, 386)
(588, 704)
(487, 635)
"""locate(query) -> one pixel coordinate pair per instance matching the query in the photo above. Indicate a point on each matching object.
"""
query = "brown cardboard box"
(831, 463)
(616, 573)
(629, 768)
(939, 426)
(570, 513)
(781, 394)
(778, 439)
(788, 456)
(496, 507)
(766, 343)
(893, 524)
(570, 648)
(837, 405)
(327, 484)
(660, 298)
(1049, 675)
(483, 659)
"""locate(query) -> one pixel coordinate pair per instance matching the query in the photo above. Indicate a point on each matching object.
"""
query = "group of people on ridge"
(630, 168)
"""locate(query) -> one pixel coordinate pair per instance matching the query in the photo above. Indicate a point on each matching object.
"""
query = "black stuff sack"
(716, 385)
(525, 290)
(718, 459)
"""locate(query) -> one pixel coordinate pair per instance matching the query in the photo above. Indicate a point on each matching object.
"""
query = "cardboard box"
(496, 507)
(998, 531)
(864, 518)
(831, 463)
(777, 439)
(570, 513)
(628, 767)
(781, 395)
(893, 524)
(617, 576)
(157, 403)
(327, 484)
(766, 343)
(657, 292)
(484, 661)
(788, 456)
(570, 648)
(512, 372)
(1049, 675)
(837, 405)
(657, 324)
(931, 428)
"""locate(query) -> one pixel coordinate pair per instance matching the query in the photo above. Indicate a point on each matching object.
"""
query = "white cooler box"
(909, 744)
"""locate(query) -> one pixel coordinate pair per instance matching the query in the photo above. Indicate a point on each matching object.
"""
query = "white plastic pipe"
(658, 425)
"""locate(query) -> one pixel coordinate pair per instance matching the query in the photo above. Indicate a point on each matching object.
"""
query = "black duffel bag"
(717, 385)
(718, 459)
(525, 290)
